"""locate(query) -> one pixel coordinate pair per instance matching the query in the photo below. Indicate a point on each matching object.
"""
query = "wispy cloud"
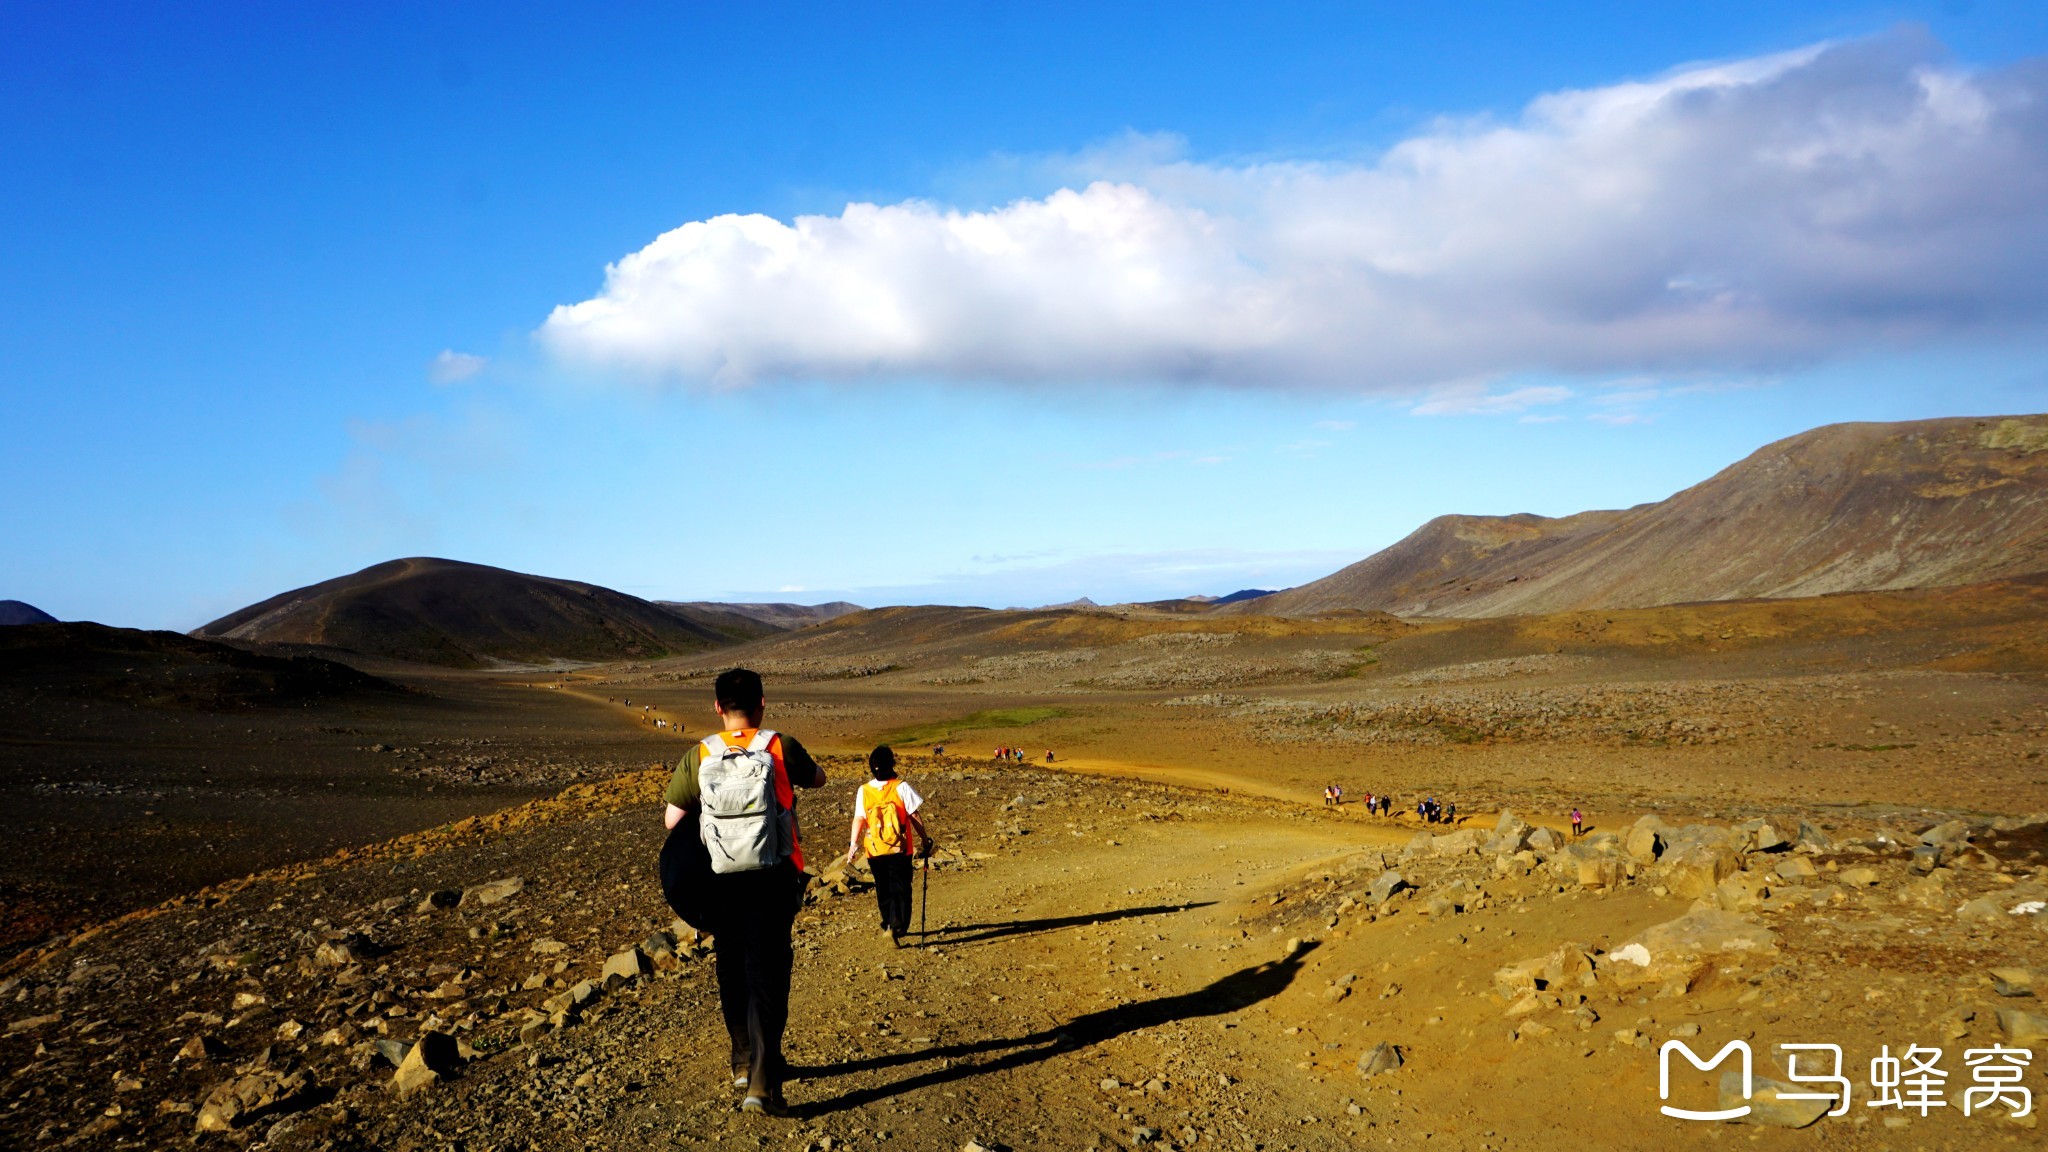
(1727, 217)
(1478, 400)
(452, 367)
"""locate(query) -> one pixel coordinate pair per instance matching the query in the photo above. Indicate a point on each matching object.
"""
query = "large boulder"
(1678, 951)
(1510, 835)
(1545, 841)
(1645, 840)
(1952, 834)
(1601, 872)
(1698, 869)
(1464, 842)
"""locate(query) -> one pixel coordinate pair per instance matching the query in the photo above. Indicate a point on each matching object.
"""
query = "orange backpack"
(887, 832)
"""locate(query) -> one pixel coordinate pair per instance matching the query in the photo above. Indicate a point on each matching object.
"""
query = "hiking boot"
(742, 1061)
(771, 1104)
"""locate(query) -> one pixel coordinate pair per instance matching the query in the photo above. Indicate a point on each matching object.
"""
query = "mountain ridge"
(1841, 507)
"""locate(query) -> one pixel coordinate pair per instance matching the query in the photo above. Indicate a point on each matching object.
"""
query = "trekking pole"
(924, 901)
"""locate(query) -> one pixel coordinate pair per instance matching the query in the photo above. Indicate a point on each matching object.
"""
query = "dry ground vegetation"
(1162, 940)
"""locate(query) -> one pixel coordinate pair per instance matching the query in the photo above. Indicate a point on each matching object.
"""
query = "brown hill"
(1840, 508)
(470, 615)
(778, 617)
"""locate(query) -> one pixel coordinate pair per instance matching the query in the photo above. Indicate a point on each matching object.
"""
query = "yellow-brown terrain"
(1161, 938)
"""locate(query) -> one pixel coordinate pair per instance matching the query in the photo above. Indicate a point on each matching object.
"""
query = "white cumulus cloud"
(1741, 215)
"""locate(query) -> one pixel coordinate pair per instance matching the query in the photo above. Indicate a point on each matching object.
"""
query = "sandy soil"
(1162, 939)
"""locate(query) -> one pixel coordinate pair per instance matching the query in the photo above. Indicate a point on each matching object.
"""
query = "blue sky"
(1136, 301)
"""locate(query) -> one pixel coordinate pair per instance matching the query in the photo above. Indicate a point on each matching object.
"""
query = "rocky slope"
(1842, 507)
(469, 615)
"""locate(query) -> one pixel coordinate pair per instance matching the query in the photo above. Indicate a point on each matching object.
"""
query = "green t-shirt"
(803, 771)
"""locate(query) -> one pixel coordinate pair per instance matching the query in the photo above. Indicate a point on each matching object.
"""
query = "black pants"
(892, 890)
(754, 912)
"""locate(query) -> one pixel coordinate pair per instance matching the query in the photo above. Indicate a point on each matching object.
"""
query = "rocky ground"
(1109, 964)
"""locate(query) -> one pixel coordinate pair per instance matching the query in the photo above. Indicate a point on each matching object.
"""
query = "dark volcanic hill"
(160, 670)
(1840, 508)
(16, 612)
(469, 615)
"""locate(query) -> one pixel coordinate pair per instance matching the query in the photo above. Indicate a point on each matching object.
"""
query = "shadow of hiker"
(1049, 924)
(1233, 993)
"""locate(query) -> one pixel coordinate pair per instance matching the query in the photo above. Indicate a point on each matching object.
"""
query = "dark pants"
(892, 890)
(754, 914)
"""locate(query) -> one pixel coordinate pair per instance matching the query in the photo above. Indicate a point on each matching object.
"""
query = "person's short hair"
(882, 762)
(739, 690)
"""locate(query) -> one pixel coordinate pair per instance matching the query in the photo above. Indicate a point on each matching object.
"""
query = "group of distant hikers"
(733, 865)
(1015, 755)
(1333, 797)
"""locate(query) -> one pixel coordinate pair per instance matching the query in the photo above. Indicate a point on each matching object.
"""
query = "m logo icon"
(1664, 1079)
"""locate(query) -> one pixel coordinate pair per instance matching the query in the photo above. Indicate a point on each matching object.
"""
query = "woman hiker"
(887, 829)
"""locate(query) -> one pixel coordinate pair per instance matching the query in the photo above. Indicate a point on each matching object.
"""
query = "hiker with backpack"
(886, 828)
(733, 866)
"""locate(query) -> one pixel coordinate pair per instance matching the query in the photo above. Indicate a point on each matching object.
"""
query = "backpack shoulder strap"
(761, 740)
(713, 745)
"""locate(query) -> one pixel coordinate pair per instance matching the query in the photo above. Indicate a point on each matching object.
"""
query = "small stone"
(201, 1048)
(1383, 1057)
(495, 892)
(2023, 1028)
(2012, 981)
(432, 1059)
(625, 967)
(439, 898)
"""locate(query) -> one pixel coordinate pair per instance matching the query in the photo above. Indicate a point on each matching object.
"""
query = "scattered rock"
(625, 967)
(2012, 981)
(439, 898)
(495, 892)
(1383, 1057)
(435, 1057)
(246, 1099)
(2023, 1028)
(1384, 887)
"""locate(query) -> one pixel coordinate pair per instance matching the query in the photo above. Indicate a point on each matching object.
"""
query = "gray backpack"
(742, 820)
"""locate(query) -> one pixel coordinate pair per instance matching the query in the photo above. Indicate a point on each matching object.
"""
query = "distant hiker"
(1048, 755)
(733, 866)
(886, 828)
(1578, 823)
(1329, 795)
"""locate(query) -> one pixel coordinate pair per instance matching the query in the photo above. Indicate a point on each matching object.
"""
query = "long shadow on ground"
(954, 935)
(1233, 993)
